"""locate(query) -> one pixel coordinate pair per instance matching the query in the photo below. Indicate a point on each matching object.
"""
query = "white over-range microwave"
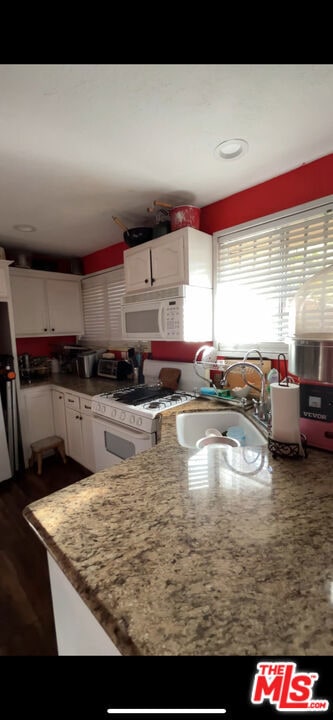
(182, 313)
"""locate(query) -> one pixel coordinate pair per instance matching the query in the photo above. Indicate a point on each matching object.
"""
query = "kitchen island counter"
(210, 552)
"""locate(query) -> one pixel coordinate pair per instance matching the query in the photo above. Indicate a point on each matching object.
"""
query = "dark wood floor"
(26, 619)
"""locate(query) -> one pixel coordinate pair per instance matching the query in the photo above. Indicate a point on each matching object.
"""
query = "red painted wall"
(105, 258)
(36, 346)
(308, 182)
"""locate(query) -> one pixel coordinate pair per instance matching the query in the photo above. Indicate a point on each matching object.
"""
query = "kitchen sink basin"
(193, 425)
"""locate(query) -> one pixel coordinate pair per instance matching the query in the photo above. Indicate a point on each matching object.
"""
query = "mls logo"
(285, 688)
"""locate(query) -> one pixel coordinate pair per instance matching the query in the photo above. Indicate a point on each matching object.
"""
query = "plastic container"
(237, 433)
(273, 376)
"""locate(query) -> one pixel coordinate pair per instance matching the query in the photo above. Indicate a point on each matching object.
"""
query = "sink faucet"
(261, 406)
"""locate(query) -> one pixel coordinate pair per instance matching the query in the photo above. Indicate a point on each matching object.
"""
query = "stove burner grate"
(154, 404)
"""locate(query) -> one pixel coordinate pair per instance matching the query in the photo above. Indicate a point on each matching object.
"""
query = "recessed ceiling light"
(24, 228)
(231, 149)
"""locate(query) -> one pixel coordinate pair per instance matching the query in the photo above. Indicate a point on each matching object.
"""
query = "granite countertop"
(87, 386)
(210, 552)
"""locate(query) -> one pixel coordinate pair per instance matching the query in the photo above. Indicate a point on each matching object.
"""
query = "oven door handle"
(124, 431)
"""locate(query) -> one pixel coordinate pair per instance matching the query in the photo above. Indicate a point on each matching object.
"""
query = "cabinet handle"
(80, 417)
(70, 400)
(146, 280)
(87, 407)
(52, 329)
(152, 280)
(45, 329)
(77, 417)
(59, 397)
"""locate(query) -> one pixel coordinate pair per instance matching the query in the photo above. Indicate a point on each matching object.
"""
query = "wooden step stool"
(54, 442)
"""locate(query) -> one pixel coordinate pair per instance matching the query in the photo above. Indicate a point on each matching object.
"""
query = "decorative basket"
(287, 450)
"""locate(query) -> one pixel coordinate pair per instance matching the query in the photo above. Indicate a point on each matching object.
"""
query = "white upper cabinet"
(183, 257)
(46, 303)
(4, 279)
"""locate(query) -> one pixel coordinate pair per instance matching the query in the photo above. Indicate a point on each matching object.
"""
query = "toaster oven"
(114, 369)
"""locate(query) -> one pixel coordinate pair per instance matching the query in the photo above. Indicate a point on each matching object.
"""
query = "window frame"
(263, 224)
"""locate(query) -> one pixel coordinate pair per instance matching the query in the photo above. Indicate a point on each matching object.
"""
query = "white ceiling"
(81, 143)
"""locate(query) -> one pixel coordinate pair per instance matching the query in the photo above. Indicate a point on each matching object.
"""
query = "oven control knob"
(139, 421)
(102, 409)
(132, 419)
(122, 416)
(113, 412)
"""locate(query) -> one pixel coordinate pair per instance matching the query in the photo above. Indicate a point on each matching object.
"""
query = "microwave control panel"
(173, 318)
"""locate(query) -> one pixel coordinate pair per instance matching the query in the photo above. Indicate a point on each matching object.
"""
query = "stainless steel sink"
(193, 425)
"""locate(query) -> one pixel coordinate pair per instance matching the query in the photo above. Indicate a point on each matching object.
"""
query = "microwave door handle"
(161, 320)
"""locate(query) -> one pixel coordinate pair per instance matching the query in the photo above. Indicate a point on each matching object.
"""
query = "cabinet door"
(65, 306)
(137, 269)
(59, 416)
(168, 262)
(29, 305)
(74, 434)
(3, 283)
(88, 459)
(38, 416)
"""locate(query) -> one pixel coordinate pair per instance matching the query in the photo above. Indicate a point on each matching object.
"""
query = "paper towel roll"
(285, 411)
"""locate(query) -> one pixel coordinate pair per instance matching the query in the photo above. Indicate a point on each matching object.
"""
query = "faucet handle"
(256, 406)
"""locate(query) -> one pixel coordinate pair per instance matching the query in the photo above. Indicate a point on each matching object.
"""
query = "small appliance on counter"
(316, 411)
(311, 356)
(85, 363)
(34, 369)
(114, 369)
(67, 356)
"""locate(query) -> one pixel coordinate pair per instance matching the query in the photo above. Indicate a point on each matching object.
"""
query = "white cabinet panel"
(59, 416)
(29, 305)
(37, 417)
(64, 303)
(79, 430)
(183, 257)
(74, 435)
(4, 281)
(88, 455)
(77, 630)
(137, 269)
(168, 263)
(45, 305)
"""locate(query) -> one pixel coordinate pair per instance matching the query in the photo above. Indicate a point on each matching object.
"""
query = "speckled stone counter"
(88, 386)
(222, 551)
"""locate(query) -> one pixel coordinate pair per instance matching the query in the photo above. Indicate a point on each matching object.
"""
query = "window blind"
(259, 270)
(101, 298)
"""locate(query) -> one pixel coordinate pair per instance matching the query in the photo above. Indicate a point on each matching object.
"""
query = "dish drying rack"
(222, 395)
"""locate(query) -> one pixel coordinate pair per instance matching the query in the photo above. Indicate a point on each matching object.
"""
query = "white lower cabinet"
(50, 410)
(59, 415)
(37, 417)
(77, 630)
(79, 430)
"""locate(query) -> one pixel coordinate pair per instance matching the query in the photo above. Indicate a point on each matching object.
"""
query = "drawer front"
(72, 401)
(85, 405)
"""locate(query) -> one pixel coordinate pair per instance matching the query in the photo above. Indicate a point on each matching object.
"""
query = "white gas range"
(137, 406)
(128, 421)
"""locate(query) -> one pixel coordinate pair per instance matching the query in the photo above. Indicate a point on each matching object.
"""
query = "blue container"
(236, 432)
